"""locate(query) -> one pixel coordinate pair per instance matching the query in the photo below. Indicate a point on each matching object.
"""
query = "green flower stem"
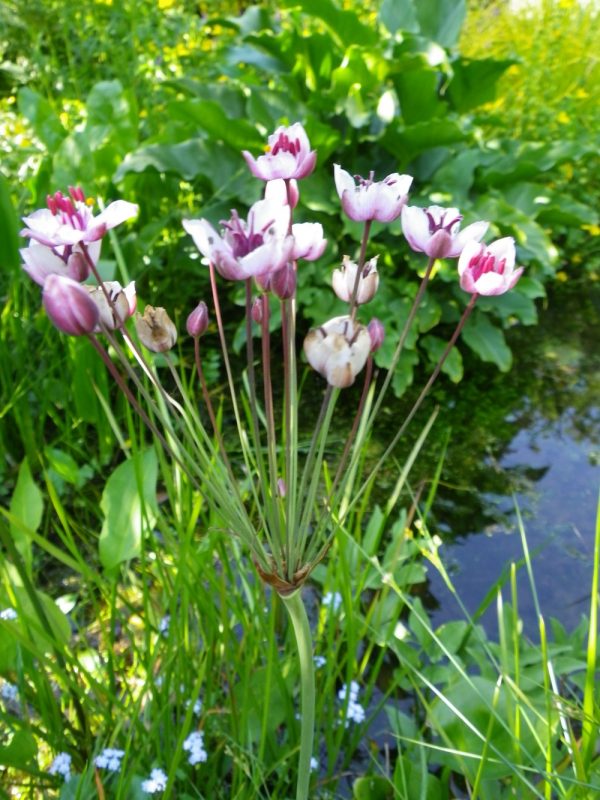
(295, 608)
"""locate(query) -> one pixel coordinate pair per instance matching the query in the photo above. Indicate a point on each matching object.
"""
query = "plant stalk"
(297, 612)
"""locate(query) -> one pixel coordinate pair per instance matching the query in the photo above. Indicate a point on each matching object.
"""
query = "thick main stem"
(295, 608)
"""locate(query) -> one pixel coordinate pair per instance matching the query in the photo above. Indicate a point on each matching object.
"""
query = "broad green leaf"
(453, 365)
(441, 20)
(487, 341)
(404, 372)
(484, 706)
(456, 176)
(20, 751)
(372, 787)
(73, 162)
(47, 628)
(210, 116)
(399, 15)
(474, 81)
(129, 507)
(373, 531)
(408, 142)
(412, 778)
(27, 507)
(225, 170)
(111, 114)
(346, 26)
(42, 118)
(510, 306)
(250, 695)
(9, 230)
(417, 88)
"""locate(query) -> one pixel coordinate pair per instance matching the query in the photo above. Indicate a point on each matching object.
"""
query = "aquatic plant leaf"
(129, 506)
(26, 508)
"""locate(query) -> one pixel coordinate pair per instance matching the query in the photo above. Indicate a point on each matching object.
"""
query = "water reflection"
(535, 434)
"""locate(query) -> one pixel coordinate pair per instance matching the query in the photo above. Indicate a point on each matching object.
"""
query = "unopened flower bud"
(283, 282)
(69, 306)
(256, 312)
(377, 333)
(155, 329)
(197, 322)
(281, 487)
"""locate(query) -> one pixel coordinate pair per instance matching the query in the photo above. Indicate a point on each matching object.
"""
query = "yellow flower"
(593, 230)
(563, 118)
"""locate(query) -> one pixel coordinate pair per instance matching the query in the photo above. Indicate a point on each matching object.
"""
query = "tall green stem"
(295, 608)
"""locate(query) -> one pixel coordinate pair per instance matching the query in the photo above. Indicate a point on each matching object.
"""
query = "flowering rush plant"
(272, 497)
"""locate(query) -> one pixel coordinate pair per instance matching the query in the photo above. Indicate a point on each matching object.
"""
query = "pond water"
(531, 437)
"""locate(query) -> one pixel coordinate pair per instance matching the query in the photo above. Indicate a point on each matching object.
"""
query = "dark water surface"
(532, 436)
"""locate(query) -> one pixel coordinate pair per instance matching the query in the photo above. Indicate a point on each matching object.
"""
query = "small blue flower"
(157, 782)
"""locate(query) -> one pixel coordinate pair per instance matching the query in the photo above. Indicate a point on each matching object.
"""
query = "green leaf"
(474, 82)
(224, 169)
(412, 140)
(250, 696)
(453, 365)
(456, 175)
(399, 15)
(441, 20)
(9, 229)
(510, 306)
(27, 507)
(487, 341)
(42, 118)
(73, 162)
(346, 26)
(417, 88)
(129, 506)
(210, 117)
(372, 787)
(20, 750)
(111, 113)
(373, 531)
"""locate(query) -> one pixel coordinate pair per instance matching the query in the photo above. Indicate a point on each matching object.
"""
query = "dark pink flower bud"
(377, 334)
(283, 282)
(256, 312)
(197, 322)
(69, 305)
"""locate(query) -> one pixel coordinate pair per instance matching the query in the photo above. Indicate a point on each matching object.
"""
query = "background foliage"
(152, 101)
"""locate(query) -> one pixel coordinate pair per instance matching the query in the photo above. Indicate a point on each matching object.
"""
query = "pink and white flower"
(365, 199)
(69, 306)
(436, 231)
(488, 269)
(338, 350)
(246, 248)
(288, 155)
(115, 303)
(59, 233)
(69, 220)
(309, 242)
(344, 280)
(39, 261)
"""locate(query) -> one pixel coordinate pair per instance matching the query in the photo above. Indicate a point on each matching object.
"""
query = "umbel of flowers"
(285, 518)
